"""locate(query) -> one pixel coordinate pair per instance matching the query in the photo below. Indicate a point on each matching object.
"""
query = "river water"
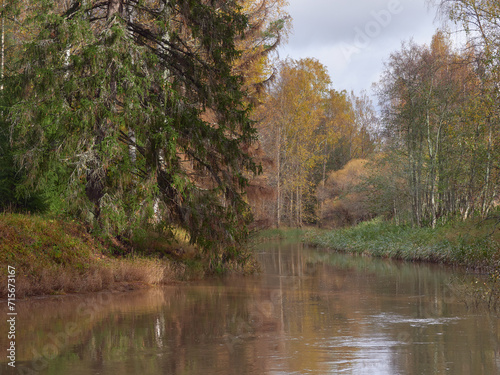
(308, 312)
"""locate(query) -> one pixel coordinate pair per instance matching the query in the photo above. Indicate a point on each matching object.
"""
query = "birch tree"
(439, 120)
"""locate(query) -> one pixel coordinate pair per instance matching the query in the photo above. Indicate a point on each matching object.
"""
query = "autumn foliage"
(308, 130)
(343, 198)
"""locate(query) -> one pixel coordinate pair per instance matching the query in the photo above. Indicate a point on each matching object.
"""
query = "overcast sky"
(353, 38)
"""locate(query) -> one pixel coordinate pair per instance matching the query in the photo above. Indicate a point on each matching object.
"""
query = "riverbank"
(59, 256)
(284, 233)
(474, 244)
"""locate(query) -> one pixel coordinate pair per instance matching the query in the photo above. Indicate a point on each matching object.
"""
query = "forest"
(427, 156)
(134, 117)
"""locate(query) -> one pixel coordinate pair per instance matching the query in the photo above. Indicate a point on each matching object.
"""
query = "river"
(309, 312)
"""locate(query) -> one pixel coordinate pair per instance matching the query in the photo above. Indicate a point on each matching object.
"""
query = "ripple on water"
(360, 355)
(392, 319)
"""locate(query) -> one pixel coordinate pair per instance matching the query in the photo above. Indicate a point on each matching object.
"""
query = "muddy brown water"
(308, 312)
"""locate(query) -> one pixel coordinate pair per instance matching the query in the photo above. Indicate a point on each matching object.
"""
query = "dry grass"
(114, 274)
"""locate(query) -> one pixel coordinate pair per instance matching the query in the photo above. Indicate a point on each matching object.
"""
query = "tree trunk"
(486, 201)
(114, 7)
(96, 174)
(278, 161)
(297, 207)
(2, 68)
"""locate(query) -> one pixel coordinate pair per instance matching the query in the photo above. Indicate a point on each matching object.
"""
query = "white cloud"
(353, 37)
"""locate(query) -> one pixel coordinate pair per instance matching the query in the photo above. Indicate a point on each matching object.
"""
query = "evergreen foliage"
(13, 195)
(133, 106)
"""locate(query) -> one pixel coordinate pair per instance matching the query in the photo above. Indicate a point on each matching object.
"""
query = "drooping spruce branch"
(93, 75)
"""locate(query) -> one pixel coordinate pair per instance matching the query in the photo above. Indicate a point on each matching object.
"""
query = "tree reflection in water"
(310, 311)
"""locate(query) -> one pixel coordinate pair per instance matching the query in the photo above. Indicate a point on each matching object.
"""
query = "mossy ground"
(58, 256)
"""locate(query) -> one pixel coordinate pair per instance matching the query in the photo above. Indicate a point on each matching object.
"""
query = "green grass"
(294, 234)
(472, 244)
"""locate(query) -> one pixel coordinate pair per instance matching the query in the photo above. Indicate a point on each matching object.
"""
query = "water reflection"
(310, 312)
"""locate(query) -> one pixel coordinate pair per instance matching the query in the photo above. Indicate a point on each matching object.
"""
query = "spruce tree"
(133, 105)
